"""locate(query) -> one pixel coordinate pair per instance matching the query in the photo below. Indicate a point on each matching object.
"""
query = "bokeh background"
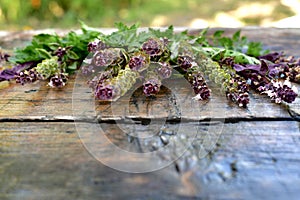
(38, 14)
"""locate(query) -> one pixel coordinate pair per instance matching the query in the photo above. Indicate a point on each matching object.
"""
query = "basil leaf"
(72, 55)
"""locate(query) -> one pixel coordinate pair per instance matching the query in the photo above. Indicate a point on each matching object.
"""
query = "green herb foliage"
(238, 43)
(45, 46)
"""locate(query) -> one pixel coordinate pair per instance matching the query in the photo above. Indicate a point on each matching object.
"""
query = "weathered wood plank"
(47, 161)
(249, 160)
(259, 159)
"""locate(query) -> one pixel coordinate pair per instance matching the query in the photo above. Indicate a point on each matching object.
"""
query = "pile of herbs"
(114, 62)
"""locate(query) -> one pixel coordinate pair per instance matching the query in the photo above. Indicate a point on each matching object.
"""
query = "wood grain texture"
(252, 160)
(47, 161)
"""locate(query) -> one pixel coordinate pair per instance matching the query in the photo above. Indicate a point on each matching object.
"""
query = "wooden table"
(209, 150)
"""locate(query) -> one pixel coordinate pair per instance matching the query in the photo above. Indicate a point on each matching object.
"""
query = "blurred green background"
(38, 14)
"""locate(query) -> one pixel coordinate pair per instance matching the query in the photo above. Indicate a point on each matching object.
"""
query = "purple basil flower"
(238, 91)
(96, 46)
(294, 74)
(61, 51)
(164, 70)
(151, 86)
(203, 93)
(109, 57)
(153, 47)
(243, 99)
(99, 79)
(279, 91)
(58, 81)
(27, 76)
(105, 91)
(198, 83)
(8, 74)
(103, 58)
(139, 62)
(87, 70)
(23, 78)
(185, 62)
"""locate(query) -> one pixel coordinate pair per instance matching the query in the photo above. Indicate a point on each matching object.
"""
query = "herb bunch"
(49, 57)
(113, 63)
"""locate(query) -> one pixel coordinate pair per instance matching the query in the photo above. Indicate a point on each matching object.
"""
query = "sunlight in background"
(36, 14)
(55, 9)
(293, 21)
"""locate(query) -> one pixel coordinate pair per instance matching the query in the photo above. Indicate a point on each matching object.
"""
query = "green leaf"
(122, 27)
(236, 36)
(73, 66)
(41, 39)
(53, 46)
(218, 34)
(72, 55)
(218, 54)
(201, 38)
(255, 49)
(43, 53)
(168, 33)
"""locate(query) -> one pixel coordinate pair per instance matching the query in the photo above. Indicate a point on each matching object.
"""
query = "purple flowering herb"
(276, 90)
(28, 76)
(151, 86)
(185, 62)
(243, 99)
(104, 91)
(164, 70)
(198, 84)
(139, 61)
(111, 88)
(8, 74)
(87, 70)
(294, 74)
(279, 91)
(274, 66)
(203, 93)
(238, 91)
(153, 47)
(96, 45)
(61, 51)
(109, 57)
(99, 79)
(235, 86)
(23, 78)
(103, 58)
(58, 81)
